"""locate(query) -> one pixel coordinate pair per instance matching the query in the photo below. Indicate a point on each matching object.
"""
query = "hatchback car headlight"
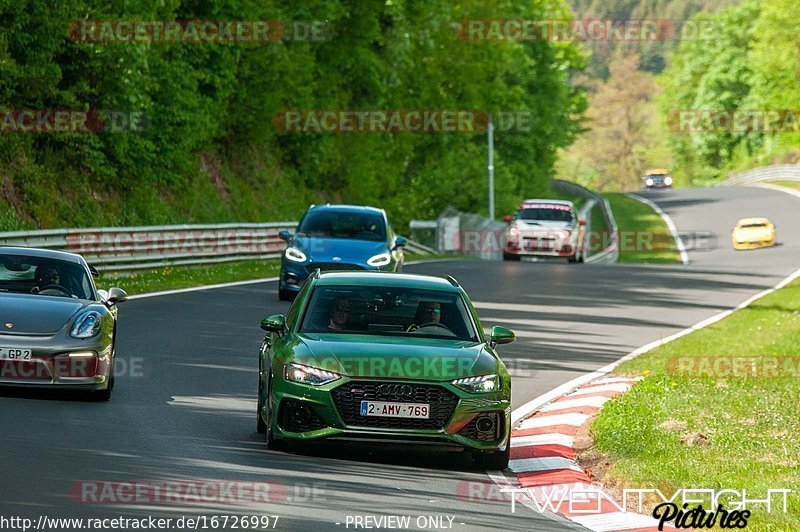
(309, 375)
(380, 260)
(87, 325)
(649, 182)
(295, 254)
(480, 384)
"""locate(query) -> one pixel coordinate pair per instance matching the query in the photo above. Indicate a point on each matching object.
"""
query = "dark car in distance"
(339, 238)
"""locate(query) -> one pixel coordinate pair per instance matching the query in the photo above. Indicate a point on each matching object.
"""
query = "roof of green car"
(404, 280)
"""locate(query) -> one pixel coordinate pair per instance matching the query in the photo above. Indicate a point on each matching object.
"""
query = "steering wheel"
(414, 327)
(53, 287)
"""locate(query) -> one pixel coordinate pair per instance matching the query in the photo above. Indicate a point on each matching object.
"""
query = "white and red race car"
(545, 228)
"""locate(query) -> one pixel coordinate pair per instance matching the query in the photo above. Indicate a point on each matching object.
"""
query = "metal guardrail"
(138, 248)
(775, 172)
(611, 253)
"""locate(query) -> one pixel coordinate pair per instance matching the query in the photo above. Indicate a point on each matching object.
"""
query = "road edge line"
(535, 404)
(232, 284)
(673, 231)
(771, 186)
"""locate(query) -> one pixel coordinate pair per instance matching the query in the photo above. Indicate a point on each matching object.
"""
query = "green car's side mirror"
(501, 335)
(275, 323)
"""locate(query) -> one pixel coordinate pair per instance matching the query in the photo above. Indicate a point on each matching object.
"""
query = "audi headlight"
(309, 375)
(380, 260)
(481, 384)
(87, 325)
(295, 255)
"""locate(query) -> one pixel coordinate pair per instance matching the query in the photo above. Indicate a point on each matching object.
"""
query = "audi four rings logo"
(395, 389)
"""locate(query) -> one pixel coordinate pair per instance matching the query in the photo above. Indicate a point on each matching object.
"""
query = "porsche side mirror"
(275, 323)
(117, 296)
(399, 242)
(501, 335)
(284, 235)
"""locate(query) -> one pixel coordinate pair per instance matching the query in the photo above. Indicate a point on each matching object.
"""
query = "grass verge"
(177, 277)
(788, 184)
(644, 237)
(710, 425)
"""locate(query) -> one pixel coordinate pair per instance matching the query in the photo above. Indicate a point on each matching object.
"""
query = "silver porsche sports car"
(56, 328)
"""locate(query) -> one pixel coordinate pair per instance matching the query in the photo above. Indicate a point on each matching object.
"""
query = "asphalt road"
(184, 407)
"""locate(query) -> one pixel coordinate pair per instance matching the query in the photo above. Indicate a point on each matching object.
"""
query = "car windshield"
(547, 214)
(44, 276)
(343, 224)
(753, 226)
(385, 311)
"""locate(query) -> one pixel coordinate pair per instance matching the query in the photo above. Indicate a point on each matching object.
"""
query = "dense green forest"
(208, 148)
(664, 104)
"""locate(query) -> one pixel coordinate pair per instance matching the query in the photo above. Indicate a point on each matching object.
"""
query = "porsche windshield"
(388, 311)
(44, 276)
(343, 224)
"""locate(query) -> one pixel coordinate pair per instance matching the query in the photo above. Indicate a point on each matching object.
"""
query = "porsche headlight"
(309, 375)
(295, 254)
(380, 260)
(88, 325)
(480, 384)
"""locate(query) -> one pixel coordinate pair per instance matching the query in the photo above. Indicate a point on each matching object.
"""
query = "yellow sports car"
(752, 233)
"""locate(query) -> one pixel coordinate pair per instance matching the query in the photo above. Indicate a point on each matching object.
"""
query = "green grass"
(644, 237)
(681, 430)
(788, 184)
(175, 277)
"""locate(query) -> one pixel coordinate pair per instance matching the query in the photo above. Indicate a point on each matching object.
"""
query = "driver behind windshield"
(47, 275)
(427, 313)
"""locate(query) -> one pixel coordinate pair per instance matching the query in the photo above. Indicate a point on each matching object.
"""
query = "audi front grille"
(348, 397)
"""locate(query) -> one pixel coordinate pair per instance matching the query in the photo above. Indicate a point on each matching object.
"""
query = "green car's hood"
(357, 355)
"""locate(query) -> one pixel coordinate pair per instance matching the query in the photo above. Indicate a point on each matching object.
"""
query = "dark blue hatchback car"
(338, 237)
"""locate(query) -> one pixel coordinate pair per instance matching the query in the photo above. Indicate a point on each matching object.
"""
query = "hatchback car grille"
(348, 397)
(332, 266)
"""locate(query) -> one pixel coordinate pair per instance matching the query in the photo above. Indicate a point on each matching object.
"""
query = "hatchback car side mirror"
(582, 223)
(501, 335)
(275, 323)
(507, 218)
(116, 296)
(400, 242)
(95, 273)
(284, 235)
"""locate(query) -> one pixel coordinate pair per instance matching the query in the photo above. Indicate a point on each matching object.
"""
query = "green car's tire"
(492, 460)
